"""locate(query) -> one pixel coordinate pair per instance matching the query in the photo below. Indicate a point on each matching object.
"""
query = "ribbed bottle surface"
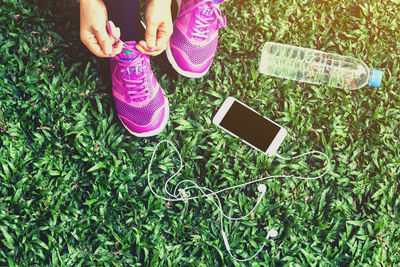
(313, 66)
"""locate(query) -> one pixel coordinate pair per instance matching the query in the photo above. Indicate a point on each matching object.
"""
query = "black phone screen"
(250, 126)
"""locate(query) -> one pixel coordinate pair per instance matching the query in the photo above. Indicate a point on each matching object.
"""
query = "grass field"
(74, 182)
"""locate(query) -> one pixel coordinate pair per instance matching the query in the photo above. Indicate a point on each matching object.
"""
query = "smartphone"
(255, 130)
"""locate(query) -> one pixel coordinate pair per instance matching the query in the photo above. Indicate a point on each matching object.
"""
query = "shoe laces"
(202, 23)
(137, 83)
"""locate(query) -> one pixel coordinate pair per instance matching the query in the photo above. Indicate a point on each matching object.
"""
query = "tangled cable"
(183, 193)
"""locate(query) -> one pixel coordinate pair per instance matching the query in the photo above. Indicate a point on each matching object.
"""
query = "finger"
(141, 50)
(104, 41)
(146, 50)
(113, 30)
(96, 50)
(117, 33)
(155, 53)
(163, 36)
(162, 42)
(117, 49)
(151, 35)
(150, 53)
(143, 44)
(91, 43)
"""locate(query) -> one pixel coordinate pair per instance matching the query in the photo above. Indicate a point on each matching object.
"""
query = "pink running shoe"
(194, 40)
(139, 100)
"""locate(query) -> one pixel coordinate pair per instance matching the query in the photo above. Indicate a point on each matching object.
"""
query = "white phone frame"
(271, 150)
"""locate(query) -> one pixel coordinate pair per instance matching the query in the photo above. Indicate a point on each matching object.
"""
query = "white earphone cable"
(183, 194)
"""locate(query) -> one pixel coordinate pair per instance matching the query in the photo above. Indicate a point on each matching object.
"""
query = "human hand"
(93, 31)
(158, 27)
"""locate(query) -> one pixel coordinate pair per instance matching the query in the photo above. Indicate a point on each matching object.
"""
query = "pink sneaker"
(194, 40)
(139, 100)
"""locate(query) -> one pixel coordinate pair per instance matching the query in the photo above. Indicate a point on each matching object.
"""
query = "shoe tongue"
(128, 54)
(133, 70)
(206, 12)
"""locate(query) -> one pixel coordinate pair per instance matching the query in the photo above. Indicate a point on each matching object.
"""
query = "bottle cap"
(375, 78)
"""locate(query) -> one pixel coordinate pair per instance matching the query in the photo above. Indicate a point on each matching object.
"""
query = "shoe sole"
(154, 132)
(172, 61)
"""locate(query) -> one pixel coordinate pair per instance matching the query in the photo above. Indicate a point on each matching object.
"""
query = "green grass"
(73, 181)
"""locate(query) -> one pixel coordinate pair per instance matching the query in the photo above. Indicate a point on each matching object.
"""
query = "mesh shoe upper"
(140, 115)
(195, 36)
(139, 99)
(199, 54)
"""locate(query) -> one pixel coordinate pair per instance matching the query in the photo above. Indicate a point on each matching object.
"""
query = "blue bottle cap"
(375, 78)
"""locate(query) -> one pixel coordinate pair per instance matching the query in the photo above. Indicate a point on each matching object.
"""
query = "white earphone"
(271, 233)
(183, 194)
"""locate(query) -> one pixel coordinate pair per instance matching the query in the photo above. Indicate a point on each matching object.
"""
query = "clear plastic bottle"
(316, 67)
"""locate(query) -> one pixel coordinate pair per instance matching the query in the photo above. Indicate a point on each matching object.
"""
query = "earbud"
(262, 188)
(183, 194)
(272, 233)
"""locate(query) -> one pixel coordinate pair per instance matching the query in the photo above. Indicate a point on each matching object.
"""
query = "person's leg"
(125, 15)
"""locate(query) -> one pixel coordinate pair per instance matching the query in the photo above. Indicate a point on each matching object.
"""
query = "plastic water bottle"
(316, 67)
